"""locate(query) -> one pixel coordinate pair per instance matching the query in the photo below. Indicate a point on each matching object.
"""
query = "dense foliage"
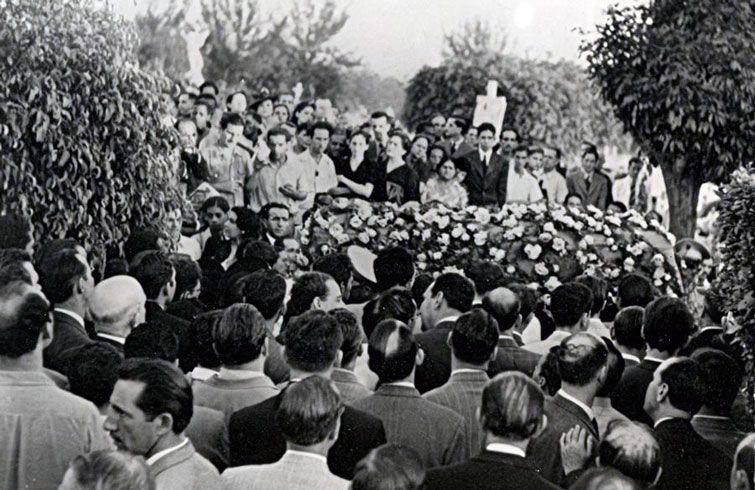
(82, 147)
(681, 77)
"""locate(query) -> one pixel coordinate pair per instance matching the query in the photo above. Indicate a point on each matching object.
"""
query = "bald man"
(504, 305)
(116, 306)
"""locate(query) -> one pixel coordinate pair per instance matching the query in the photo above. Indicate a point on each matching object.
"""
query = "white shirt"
(202, 374)
(630, 357)
(405, 384)
(451, 318)
(485, 156)
(311, 455)
(190, 247)
(650, 358)
(153, 459)
(311, 177)
(72, 314)
(522, 187)
(555, 186)
(238, 374)
(578, 403)
(466, 370)
(500, 447)
(661, 420)
(120, 340)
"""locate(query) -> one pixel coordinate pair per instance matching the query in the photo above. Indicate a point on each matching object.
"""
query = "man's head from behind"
(599, 288)
(265, 289)
(156, 274)
(312, 341)
(485, 276)
(627, 328)
(16, 265)
(393, 352)
(582, 361)
(474, 337)
(450, 294)
(632, 449)
(151, 401)
(24, 319)
(614, 369)
(394, 266)
(351, 347)
(635, 290)
(309, 411)
(504, 305)
(65, 276)
(721, 380)
(337, 266)
(570, 305)
(395, 304)
(240, 336)
(743, 471)
(115, 470)
(116, 305)
(668, 323)
(676, 389)
(152, 341)
(389, 467)
(314, 291)
(92, 372)
(512, 407)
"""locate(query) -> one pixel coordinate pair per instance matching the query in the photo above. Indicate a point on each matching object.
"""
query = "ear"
(494, 354)
(518, 322)
(420, 357)
(662, 392)
(448, 339)
(317, 303)
(613, 332)
(263, 350)
(541, 427)
(438, 300)
(339, 358)
(334, 435)
(739, 480)
(163, 423)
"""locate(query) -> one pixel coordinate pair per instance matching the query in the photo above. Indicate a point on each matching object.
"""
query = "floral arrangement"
(536, 243)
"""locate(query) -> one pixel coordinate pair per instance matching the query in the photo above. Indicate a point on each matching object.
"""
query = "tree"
(161, 46)
(475, 39)
(680, 76)
(82, 146)
(367, 89)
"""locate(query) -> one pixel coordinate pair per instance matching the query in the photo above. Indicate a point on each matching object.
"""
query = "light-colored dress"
(449, 192)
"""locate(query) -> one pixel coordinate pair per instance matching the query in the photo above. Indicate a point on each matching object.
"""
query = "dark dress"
(367, 173)
(399, 186)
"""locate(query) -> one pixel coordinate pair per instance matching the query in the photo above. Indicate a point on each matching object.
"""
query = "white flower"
(399, 222)
(658, 283)
(658, 273)
(422, 266)
(304, 240)
(421, 257)
(614, 273)
(582, 244)
(607, 231)
(372, 233)
(658, 260)
(426, 234)
(457, 232)
(472, 227)
(450, 269)
(372, 220)
(500, 255)
(533, 251)
(404, 235)
(437, 255)
(610, 241)
(443, 222)
(482, 216)
(342, 238)
(549, 228)
(552, 283)
(589, 240)
(465, 237)
(493, 251)
(509, 222)
(592, 257)
(541, 269)
(556, 268)
(444, 239)
(382, 222)
(325, 249)
(559, 244)
(614, 220)
(480, 238)
(335, 229)
(629, 264)
(356, 222)
(510, 269)
(545, 237)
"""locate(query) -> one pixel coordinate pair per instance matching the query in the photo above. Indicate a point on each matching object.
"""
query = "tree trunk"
(682, 188)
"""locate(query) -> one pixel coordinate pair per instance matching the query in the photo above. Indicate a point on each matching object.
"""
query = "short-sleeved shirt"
(266, 181)
(228, 167)
(313, 177)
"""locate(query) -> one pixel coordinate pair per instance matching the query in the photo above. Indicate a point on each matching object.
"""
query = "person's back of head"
(605, 479)
(337, 266)
(394, 304)
(240, 335)
(635, 290)
(265, 290)
(107, 469)
(151, 341)
(258, 249)
(16, 265)
(24, 319)
(743, 471)
(420, 285)
(392, 351)
(485, 276)
(307, 287)
(684, 384)
(474, 337)
(141, 240)
(116, 304)
(188, 276)
(599, 288)
(308, 412)
(351, 346)
(570, 305)
(582, 359)
(512, 407)
(631, 449)
(394, 266)
(504, 305)
(667, 324)
(200, 348)
(389, 467)
(614, 369)
(546, 373)
(51, 247)
(457, 290)
(721, 380)
(713, 309)
(156, 274)
(92, 372)
(528, 299)
(627, 327)
(312, 341)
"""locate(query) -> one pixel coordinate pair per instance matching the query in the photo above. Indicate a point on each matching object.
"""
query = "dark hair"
(635, 290)
(320, 125)
(569, 302)
(557, 150)
(512, 129)
(188, 274)
(420, 285)
(627, 327)
(512, 406)
(152, 341)
(394, 266)
(260, 250)
(394, 304)
(278, 131)
(714, 305)
(685, 384)
(615, 364)
(59, 275)
(591, 151)
(458, 291)
(504, 308)
(549, 372)
(632, 449)
(312, 341)
(200, 338)
(521, 148)
(437, 146)
(352, 334)
(308, 411)
(474, 337)
(485, 275)
(721, 379)
(247, 222)
(534, 149)
(573, 194)
(599, 288)
(668, 324)
(264, 213)
(622, 207)
(209, 84)
(153, 270)
(215, 202)
(389, 467)
(299, 107)
(265, 289)
(240, 335)
(306, 288)
(51, 247)
(12, 268)
(166, 390)
(231, 119)
(527, 299)
(486, 126)
(336, 265)
(21, 327)
(378, 115)
(579, 363)
(92, 371)
(17, 231)
(230, 96)
(405, 143)
(106, 468)
(141, 240)
(398, 362)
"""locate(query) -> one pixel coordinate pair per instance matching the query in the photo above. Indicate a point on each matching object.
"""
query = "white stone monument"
(490, 108)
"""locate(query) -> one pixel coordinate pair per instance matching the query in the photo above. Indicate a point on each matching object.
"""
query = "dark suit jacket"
(256, 438)
(511, 357)
(116, 344)
(67, 336)
(208, 433)
(599, 194)
(154, 314)
(435, 432)
(629, 395)
(485, 184)
(720, 432)
(436, 368)
(544, 451)
(488, 471)
(689, 461)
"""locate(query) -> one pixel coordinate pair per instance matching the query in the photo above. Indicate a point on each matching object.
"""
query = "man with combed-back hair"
(632, 449)
(113, 470)
(570, 307)
(626, 333)
(505, 306)
(308, 415)
(511, 415)
(389, 467)
(343, 376)
(435, 432)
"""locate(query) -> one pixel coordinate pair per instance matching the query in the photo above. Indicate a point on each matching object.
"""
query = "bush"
(82, 146)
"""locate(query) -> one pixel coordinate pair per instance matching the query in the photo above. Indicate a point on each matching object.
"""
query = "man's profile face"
(129, 427)
(379, 126)
(333, 299)
(549, 159)
(279, 222)
(426, 308)
(320, 139)
(509, 140)
(451, 130)
(651, 394)
(185, 104)
(303, 139)
(233, 134)
(487, 140)
(278, 147)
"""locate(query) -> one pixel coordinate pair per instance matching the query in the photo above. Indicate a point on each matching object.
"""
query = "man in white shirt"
(551, 181)
(633, 189)
(522, 187)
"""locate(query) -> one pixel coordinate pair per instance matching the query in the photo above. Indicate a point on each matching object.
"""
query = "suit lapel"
(576, 411)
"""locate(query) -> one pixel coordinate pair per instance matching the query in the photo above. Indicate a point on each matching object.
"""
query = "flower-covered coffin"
(536, 243)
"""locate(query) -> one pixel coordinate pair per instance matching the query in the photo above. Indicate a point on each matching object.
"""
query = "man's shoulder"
(255, 414)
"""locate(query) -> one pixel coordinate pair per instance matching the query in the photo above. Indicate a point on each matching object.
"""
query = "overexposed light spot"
(523, 15)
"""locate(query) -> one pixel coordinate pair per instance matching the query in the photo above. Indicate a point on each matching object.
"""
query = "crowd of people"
(216, 354)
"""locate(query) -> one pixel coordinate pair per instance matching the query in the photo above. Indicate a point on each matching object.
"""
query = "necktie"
(633, 193)
(595, 426)
(587, 183)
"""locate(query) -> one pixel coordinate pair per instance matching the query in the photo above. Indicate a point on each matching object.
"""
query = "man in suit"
(308, 416)
(591, 185)
(435, 432)
(721, 379)
(582, 365)
(454, 142)
(311, 341)
(504, 305)
(486, 171)
(150, 408)
(626, 333)
(689, 461)
(473, 346)
(667, 324)
(601, 405)
(448, 296)
(343, 377)
(485, 275)
(570, 307)
(511, 415)
(67, 281)
(116, 306)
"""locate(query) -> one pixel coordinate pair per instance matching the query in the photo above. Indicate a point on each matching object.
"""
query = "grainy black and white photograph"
(377, 244)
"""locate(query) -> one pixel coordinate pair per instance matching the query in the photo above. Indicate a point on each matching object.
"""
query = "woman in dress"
(445, 188)
(357, 174)
(242, 224)
(417, 158)
(400, 183)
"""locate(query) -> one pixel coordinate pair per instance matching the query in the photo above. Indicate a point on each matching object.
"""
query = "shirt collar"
(630, 357)
(654, 359)
(202, 374)
(712, 327)
(713, 417)
(484, 154)
(500, 447)
(451, 318)
(466, 370)
(120, 340)
(405, 384)
(661, 420)
(238, 374)
(155, 457)
(310, 455)
(578, 403)
(72, 314)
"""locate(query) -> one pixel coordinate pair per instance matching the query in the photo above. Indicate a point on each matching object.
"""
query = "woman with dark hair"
(400, 183)
(445, 188)
(357, 173)
(417, 158)
(303, 112)
(241, 225)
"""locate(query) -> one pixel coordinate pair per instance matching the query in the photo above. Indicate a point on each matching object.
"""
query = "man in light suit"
(591, 185)
(570, 307)
(308, 416)
(504, 305)
(486, 171)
